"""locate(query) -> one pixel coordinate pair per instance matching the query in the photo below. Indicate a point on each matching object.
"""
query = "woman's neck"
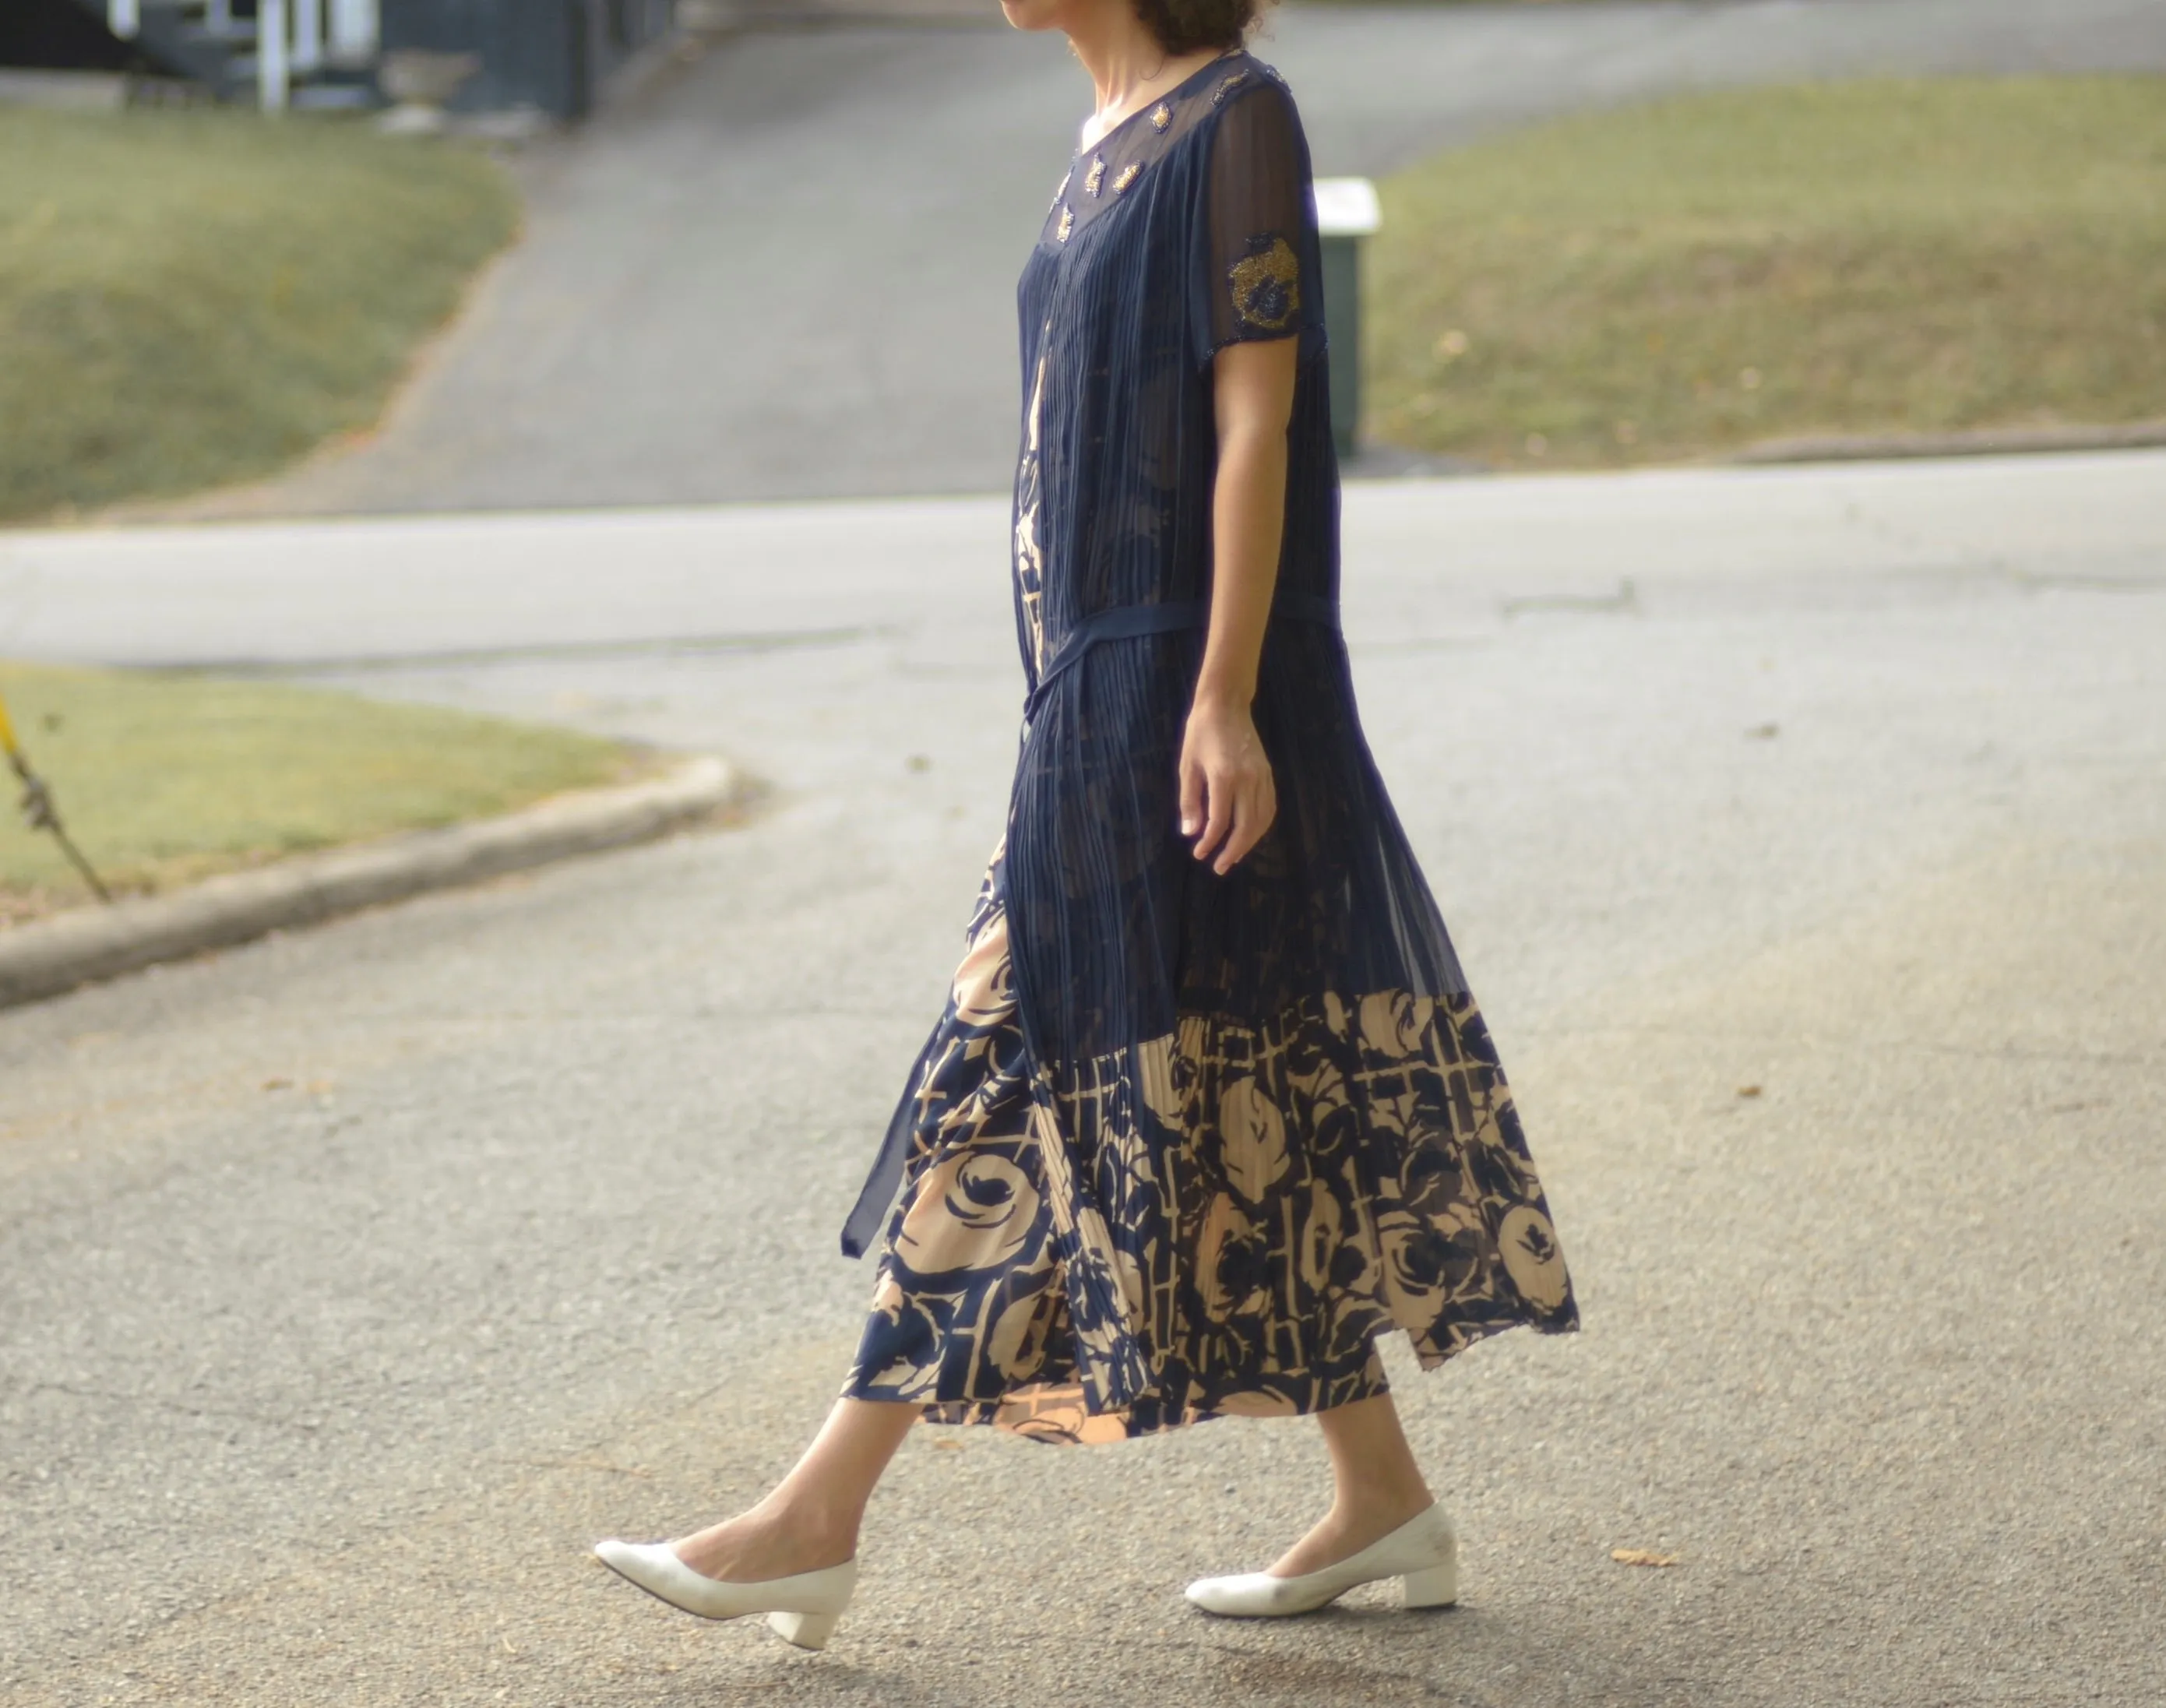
(1127, 66)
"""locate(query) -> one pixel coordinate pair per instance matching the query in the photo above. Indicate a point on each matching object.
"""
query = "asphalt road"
(787, 271)
(352, 1283)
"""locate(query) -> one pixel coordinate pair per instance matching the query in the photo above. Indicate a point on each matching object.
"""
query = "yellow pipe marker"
(38, 805)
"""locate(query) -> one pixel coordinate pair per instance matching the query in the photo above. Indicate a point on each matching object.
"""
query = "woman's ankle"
(821, 1525)
(1368, 1505)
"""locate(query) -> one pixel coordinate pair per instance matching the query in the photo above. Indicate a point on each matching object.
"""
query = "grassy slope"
(192, 298)
(161, 779)
(1684, 278)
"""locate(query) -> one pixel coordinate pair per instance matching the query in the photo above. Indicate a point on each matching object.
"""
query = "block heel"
(805, 1629)
(1436, 1586)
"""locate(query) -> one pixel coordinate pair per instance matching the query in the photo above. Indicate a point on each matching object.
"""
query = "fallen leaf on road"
(1641, 1557)
(1748, 1091)
(277, 1084)
(947, 1446)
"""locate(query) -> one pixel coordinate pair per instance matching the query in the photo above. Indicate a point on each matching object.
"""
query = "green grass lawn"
(161, 779)
(1681, 280)
(192, 298)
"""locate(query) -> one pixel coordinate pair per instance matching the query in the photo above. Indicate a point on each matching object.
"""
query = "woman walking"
(1211, 1107)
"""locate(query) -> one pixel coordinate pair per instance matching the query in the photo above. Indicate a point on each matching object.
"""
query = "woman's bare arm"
(1227, 800)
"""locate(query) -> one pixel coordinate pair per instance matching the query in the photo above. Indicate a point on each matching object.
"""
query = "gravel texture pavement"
(787, 270)
(352, 1283)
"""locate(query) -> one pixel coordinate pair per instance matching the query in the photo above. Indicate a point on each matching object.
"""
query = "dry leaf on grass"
(1641, 1557)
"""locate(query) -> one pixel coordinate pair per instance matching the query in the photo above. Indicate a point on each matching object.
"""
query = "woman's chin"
(1031, 14)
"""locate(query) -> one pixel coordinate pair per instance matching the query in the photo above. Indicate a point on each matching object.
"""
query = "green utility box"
(1346, 214)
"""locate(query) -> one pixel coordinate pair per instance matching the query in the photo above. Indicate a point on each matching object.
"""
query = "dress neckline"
(1177, 90)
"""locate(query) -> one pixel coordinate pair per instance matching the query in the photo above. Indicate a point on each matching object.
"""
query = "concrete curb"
(1986, 442)
(50, 956)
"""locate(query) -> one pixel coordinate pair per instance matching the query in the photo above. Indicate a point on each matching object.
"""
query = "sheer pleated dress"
(1185, 1146)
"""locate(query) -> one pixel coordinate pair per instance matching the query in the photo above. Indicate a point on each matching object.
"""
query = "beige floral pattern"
(1257, 1206)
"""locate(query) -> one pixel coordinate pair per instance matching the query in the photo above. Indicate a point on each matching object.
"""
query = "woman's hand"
(1228, 799)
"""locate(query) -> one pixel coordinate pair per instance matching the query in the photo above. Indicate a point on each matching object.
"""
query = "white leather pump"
(1422, 1553)
(800, 1610)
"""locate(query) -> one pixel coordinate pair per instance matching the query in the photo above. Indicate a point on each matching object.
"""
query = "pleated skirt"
(1351, 1169)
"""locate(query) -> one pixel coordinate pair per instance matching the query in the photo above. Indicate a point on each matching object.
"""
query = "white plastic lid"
(1347, 208)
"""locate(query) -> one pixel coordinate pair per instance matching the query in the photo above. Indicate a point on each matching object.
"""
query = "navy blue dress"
(1185, 1146)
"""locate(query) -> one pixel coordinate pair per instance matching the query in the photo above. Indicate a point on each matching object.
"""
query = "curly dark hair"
(1189, 26)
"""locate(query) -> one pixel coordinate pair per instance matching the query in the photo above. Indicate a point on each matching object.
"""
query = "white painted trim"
(308, 35)
(356, 28)
(123, 18)
(274, 74)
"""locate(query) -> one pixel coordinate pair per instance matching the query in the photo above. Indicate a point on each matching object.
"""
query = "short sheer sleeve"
(1256, 271)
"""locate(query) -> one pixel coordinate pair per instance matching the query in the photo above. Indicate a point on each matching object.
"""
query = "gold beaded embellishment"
(1127, 174)
(1227, 88)
(1060, 190)
(1161, 116)
(1266, 284)
(1067, 223)
(1095, 176)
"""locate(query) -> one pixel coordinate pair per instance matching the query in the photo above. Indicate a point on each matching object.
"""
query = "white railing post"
(123, 18)
(354, 27)
(271, 73)
(308, 35)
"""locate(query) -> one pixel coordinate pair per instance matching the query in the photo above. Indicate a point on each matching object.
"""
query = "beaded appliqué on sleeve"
(1266, 284)
(1093, 179)
(1227, 88)
(1067, 223)
(1161, 116)
(1127, 174)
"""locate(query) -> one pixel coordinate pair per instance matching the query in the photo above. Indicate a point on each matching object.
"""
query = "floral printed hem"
(1262, 1203)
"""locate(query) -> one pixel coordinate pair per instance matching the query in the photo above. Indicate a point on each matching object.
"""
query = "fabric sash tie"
(1127, 622)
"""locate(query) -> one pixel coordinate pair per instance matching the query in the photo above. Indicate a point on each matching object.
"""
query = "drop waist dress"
(1184, 1145)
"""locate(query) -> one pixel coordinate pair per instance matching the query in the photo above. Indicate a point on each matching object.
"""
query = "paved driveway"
(788, 270)
(352, 1283)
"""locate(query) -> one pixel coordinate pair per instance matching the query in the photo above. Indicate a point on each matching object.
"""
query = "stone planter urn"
(421, 84)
